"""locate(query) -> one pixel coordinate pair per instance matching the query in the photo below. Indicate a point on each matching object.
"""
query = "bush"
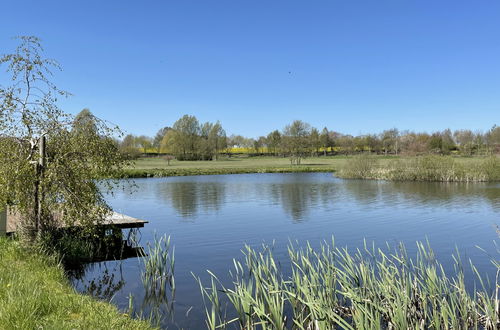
(361, 166)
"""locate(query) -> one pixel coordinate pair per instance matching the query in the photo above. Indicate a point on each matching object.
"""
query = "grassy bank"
(147, 173)
(425, 168)
(157, 167)
(332, 287)
(35, 294)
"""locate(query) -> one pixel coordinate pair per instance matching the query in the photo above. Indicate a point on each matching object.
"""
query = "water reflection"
(188, 197)
(299, 193)
(104, 285)
(210, 218)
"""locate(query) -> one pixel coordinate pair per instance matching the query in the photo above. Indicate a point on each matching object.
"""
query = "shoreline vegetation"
(322, 288)
(372, 288)
(158, 172)
(424, 168)
(35, 294)
(430, 168)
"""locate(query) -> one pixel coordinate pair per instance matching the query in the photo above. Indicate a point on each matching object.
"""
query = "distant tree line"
(187, 139)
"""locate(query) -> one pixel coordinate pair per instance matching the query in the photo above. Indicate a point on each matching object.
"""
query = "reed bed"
(424, 168)
(159, 266)
(332, 288)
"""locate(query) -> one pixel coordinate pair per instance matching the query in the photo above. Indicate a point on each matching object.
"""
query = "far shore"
(145, 167)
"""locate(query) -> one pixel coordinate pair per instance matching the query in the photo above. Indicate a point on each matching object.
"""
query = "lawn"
(240, 162)
(35, 294)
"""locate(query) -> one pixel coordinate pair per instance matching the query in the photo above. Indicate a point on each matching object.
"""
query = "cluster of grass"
(425, 168)
(333, 288)
(158, 281)
(159, 266)
(35, 294)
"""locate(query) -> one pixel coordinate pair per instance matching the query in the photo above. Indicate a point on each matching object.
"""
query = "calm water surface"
(210, 218)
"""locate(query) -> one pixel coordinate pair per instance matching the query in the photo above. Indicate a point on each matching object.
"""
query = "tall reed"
(158, 280)
(329, 288)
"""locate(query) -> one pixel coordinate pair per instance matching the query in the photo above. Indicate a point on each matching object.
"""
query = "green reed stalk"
(371, 288)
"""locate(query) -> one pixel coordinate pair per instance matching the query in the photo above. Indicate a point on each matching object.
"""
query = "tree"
(49, 160)
(493, 139)
(144, 142)
(390, 140)
(325, 140)
(168, 144)
(159, 137)
(296, 140)
(465, 140)
(273, 141)
(314, 141)
(187, 137)
(346, 143)
(217, 140)
(129, 147)
(85, 122)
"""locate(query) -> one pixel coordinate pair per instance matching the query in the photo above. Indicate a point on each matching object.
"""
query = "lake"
(210, 218)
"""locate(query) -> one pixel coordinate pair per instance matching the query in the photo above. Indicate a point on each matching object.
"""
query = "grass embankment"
(424, 168)
(157, 167)
(35, 294)
(332, 287)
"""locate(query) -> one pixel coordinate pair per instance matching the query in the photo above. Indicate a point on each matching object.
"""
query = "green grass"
(334, 288)
(157, 167)
(35, 294)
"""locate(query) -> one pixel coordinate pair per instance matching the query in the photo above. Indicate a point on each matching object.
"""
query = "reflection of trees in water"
(297, 198)
(298, 194)
(104, 285)
(364, 192)
(423, 193)
(187, 197)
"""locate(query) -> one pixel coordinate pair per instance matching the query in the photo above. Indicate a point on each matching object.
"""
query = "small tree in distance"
(296, 140)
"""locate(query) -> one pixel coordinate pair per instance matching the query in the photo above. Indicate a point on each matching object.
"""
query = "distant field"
(240, 162)
(156, 166)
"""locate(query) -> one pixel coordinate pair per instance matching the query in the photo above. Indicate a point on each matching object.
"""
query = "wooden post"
(39, 176)
(3, 222)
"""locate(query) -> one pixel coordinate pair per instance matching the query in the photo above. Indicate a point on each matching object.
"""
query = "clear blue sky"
(354, 66)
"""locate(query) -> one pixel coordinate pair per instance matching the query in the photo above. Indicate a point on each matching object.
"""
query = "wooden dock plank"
(115, 219)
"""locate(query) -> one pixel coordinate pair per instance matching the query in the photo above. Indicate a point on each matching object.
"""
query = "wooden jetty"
(9, 222)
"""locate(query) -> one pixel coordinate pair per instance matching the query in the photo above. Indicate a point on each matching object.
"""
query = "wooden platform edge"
(9, 221)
